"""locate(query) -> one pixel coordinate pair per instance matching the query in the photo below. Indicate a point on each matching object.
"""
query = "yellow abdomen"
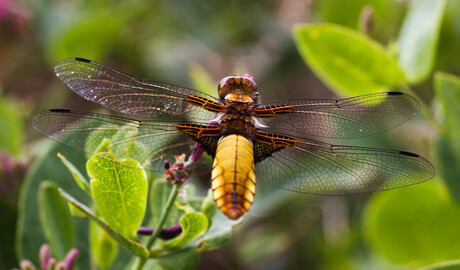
(233, 177)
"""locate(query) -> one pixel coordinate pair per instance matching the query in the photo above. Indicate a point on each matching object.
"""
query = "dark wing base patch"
(207, 136)
(265, 144)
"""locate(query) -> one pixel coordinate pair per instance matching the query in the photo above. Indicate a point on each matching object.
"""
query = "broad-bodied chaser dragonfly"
(243, 137)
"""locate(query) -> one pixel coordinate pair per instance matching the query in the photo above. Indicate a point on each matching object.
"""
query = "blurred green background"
(195, 44)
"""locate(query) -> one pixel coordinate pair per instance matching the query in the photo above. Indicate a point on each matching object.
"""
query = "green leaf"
(347, 13)
(79, 178)
(108, 134)
(447, 89)
(30, 235)
(195, 204)
(123, 241)
(414, 225)
(188, 257)
(449, 265)
(105, 146)
(119, 189)
(186, 208)
(193, 225)
(349, 62)
(219, 233)
(131, 149)
(449, 164)
(150, 265)
(418, 39)
(104, 248)
(183, 259)
(11, 135)
(126, 149)
(56, 220)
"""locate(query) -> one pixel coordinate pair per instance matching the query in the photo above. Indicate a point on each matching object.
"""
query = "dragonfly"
(275, 142)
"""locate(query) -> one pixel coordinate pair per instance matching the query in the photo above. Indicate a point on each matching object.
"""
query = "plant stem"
(172, 198)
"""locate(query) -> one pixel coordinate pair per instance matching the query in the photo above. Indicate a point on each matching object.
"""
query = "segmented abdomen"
(233, 177)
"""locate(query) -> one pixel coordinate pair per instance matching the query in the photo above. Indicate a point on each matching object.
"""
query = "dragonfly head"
(238, 88)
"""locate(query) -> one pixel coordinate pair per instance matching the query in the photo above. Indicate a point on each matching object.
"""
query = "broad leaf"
(56, 220)
(447, 88)
(195, 204)
(193, 225)
(188, 257)
(219, 233)
(383, 19)
(125, 242)
(416, 225)
(119, 189)
(349, 62)
(29, 234)
(418, 39)
(449, 265)
(104, 248)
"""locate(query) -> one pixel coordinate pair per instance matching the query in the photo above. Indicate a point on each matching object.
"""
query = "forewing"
(128, 94)
(318, 168)
(148, 142)
(344, 118)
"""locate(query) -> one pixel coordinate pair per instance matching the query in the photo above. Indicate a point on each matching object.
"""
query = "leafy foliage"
(401, 48)
(449, 265)
(104, 248)
(119, 190)
(347, 61)
(418, 39)
(414, 225)
(129, 244)
(126, 182)
(193, 225)
(56, 219)
(447, 88)
(30, 234)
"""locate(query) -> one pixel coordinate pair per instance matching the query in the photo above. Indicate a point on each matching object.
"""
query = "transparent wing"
(344, 118)
(317, 168)
(148, 142)
(128, 94)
